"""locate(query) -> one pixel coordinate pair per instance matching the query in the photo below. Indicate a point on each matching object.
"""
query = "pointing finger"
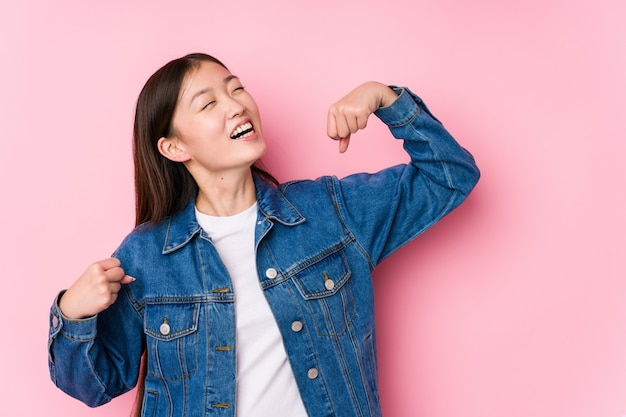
(343, 144)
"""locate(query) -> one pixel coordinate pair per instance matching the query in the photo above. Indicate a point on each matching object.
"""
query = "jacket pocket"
(325, 285)
(172, 339)
(149, 407)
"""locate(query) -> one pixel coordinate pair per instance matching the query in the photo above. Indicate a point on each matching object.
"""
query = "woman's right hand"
(95, 290)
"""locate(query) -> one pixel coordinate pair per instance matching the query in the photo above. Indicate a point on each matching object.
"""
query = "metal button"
(55, 320)
(312, 373)
(165, 327)
(271, 273)
(328, 283)
(296, 326)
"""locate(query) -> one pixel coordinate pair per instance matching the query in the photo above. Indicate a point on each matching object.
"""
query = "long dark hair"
(163, 187)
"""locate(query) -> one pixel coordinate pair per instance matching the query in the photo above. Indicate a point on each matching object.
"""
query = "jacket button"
(55, 320)
(312, 373)
(296, 326)
(271, 273)
(328, 283)
(164, 328)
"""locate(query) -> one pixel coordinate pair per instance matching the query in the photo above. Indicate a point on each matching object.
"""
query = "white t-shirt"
(266, 385)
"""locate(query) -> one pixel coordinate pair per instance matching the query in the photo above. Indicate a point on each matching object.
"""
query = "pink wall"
(514, 306)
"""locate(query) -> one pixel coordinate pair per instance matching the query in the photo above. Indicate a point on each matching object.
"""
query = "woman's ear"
(172, 149)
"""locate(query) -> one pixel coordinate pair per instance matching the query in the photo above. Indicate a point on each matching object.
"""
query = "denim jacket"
(317, 243)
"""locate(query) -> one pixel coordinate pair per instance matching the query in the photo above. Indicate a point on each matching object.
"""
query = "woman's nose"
(235, 108)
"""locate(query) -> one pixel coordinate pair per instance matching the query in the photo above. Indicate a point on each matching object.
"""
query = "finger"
(343, 144)
(127, 279)
(112, 300)
(358, 119)
(331, 126)
(362, 121)
(352, 124)
(343, 126)
(109, 263)
(114, 274)
(114, 287)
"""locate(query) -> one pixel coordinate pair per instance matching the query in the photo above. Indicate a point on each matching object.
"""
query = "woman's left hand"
(350, 114)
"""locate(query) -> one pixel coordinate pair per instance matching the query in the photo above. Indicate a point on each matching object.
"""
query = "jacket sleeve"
(387, 209)
(93, 359)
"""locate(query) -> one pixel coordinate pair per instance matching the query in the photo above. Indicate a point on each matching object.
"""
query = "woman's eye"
(208, 104)
(240, 88)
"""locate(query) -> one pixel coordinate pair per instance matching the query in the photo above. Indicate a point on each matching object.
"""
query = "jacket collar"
(272, 203)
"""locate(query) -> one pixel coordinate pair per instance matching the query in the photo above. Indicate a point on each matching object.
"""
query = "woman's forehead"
(204, 78)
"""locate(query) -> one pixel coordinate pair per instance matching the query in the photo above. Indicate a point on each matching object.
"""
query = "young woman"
(245, 296)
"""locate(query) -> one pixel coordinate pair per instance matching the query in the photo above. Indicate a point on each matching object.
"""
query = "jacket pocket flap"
(171, 321)
(324, 277)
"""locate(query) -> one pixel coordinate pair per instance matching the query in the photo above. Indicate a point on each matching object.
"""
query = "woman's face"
(216, 124)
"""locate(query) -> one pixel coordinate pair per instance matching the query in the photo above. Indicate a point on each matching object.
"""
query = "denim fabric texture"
(317, 243)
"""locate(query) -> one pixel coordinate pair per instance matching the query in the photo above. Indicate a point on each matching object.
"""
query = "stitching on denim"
(180, 348)
(344, 367)
(312, 260)
(331, 186)
(362, 372)
(195, 313)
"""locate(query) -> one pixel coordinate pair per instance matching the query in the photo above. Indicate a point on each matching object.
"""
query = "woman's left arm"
(387, 209)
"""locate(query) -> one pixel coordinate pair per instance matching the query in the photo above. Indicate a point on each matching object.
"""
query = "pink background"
(514, 305)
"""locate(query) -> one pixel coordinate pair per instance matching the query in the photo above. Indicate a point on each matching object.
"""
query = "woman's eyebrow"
(230, 78)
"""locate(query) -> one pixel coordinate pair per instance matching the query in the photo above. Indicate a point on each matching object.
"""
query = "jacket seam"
(337, 206)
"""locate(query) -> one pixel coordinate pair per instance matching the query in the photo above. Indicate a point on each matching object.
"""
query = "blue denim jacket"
(317, 243)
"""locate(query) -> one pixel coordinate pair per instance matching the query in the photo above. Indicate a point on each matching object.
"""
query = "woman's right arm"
(92, 357)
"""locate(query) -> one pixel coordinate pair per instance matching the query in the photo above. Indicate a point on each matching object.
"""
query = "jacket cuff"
(401, 111)
(79, 330)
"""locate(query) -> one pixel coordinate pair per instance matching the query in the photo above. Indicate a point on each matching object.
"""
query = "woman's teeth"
(242, 131)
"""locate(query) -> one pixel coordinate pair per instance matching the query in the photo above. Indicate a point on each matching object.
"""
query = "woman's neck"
(226, 195)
